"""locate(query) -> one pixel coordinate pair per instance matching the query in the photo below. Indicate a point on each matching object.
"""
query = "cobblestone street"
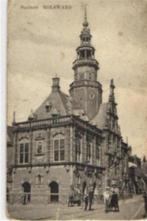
(129, 209)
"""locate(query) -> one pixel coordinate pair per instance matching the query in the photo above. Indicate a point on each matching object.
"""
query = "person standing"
(114, 201)
(90, 196)
(86, 199)
(107, 196)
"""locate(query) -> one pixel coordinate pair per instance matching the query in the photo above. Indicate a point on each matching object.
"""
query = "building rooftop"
(57, 103)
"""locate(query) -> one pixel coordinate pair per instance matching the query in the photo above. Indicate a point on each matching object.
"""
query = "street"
(129, 209)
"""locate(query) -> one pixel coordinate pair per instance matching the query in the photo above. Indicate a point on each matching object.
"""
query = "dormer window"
(48, 106)
(55, 112)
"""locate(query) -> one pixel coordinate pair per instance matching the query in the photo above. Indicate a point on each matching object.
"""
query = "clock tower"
(86, 91)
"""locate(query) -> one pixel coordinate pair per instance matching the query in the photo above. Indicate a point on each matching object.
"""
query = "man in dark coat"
(114, 201)
(88, 197)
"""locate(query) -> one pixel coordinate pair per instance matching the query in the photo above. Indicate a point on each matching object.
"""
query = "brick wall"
(40, 193)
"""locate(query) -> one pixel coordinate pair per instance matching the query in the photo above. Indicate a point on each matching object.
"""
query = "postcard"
(77, 110)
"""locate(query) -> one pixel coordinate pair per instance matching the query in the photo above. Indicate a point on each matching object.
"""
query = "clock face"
(92, 95)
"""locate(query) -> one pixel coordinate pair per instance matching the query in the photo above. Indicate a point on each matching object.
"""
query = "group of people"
(110, 196)
(111, 199)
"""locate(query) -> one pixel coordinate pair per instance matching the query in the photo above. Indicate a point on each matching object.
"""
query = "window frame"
(78, 149)
(89, 151)
(24, 153)
(59, 149)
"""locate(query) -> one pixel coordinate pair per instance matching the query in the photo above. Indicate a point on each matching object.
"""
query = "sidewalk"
(60, 211)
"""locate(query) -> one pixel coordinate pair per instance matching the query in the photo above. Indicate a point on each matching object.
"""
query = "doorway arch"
(54, 191)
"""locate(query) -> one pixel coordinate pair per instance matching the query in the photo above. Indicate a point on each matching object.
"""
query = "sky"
(42, 43)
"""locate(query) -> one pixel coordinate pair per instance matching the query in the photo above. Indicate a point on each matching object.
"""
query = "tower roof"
(85, 51)
(85, 33)
(101, 117)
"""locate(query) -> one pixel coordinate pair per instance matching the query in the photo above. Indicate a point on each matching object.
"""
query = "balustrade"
(43, 123)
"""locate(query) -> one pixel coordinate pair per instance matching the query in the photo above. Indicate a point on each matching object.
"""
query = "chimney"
(55, 85)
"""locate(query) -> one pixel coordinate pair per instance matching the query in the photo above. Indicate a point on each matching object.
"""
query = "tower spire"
(85, 23)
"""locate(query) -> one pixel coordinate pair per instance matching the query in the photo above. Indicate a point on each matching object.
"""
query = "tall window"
(24, 153)
(78, 149)
(89, 152)
(97, 155)
(59, 150)
(62, 149)
(56, 150)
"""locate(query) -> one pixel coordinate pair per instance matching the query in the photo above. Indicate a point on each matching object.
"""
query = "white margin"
(3, 43)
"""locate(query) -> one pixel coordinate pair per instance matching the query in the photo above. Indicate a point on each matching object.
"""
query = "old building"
(70, 139)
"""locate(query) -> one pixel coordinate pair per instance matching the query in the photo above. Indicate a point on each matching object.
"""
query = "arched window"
(59, 147)
(54, 191)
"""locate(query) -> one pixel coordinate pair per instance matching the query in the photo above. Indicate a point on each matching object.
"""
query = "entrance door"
(54, 191)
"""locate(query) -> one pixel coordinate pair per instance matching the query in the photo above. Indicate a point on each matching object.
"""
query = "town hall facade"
(70, 140)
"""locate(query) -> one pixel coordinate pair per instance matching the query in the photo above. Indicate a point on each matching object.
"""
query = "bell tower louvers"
(86, 91)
